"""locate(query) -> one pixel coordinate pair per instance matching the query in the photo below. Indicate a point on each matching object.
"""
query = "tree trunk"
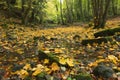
(26, 12)
(58, 20)
(9, 9)
(100, 9)
(114, 7)
(105, 13)
(61, 12)
(69, 12)
(81, 9)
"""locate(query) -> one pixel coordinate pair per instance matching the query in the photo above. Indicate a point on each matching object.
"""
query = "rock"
(103, 71)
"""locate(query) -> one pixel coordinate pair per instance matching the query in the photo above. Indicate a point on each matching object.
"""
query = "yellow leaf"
(8, 48)
(47, 69)
(22, 73)
(100, 60)
(112, 49)
(100, 57)
(93, 64)
(19, 51)
(118, 68)
(58, 50)
(46, 61)
(40, 66)
(113, 58)
(62, 61)
(70, 62)
(46, 51)
(27, 67)
(36, 72)
(55, 67)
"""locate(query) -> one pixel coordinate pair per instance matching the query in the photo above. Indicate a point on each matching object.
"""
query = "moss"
(41, 76)
(83, 76)
(52, 58)
(103, 71)
(96, 40)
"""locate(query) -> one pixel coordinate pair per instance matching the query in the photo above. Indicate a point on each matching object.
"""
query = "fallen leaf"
(27, 67)
(22, 73)
(55, 67)
(70, 62)
(62, 61)
(113, 58)
(36, 72)
(46, 61)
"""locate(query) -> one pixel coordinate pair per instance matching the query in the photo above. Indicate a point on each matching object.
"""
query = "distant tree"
(61, 12)
(57, 11)
(78, 8)
(38, 13)
(100, 9)
(69, 15)
(32, 11)
(10, 4)
(114, 7)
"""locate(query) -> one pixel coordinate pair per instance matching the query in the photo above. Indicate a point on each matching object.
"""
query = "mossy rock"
(103, 71)
(83, 76)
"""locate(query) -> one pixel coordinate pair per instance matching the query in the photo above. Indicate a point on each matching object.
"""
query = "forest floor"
(19, 58)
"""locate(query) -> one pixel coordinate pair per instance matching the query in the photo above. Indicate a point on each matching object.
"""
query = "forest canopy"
(62, 11)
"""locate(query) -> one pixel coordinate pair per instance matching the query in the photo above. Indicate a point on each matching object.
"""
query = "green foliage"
(38, 11)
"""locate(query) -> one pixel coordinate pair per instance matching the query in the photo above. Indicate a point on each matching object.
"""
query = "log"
(52, 58)
(96, 40)
(107, 32)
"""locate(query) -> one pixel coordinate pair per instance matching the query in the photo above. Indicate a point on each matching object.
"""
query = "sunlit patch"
(61, 1)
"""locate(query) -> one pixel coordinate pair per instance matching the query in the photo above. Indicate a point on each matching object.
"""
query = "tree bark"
(100, 9)
(26, 12)
(61, 12)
